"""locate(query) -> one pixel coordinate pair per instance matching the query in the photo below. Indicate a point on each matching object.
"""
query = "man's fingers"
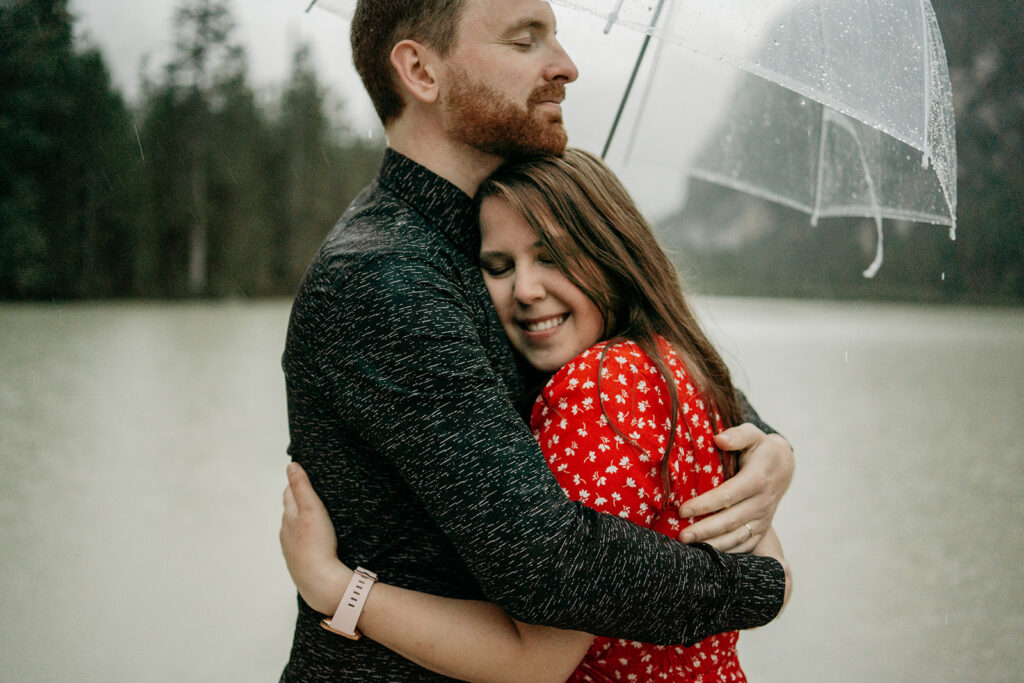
(737, 539)
(712, 527)
(738, 438)
(706, 503)
(727, 494)
(727, 521)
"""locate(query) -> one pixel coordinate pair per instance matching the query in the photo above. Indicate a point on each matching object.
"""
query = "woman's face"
(547, 318)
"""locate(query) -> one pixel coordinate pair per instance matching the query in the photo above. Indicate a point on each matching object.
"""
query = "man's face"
(505, 79)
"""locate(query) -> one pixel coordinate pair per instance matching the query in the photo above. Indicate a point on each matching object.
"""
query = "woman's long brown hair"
(613, 257)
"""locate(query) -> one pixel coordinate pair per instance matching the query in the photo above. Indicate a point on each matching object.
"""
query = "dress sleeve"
(419, 384)
(607, 453)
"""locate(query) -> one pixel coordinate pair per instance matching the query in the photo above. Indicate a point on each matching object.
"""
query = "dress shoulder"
(602, 422)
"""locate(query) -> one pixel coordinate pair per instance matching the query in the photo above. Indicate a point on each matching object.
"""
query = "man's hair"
(379, 25)
(593, 231)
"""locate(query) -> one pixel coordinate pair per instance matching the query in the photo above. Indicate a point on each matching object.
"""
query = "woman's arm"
(770, 546)
(466, 639)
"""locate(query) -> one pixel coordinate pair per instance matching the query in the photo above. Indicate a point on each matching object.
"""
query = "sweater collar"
(444, 206)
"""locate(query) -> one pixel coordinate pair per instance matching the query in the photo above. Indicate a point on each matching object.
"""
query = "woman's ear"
(415, 64)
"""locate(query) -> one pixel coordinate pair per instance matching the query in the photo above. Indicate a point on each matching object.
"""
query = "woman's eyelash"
(495, 268)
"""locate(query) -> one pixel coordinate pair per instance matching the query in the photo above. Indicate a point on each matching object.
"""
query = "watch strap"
(351, 606)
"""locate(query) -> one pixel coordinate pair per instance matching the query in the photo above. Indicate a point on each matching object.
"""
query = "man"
(401, 386)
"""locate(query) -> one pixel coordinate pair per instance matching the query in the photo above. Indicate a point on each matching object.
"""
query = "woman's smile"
(536, 326)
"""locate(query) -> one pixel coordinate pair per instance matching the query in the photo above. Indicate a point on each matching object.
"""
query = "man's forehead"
(502, 17)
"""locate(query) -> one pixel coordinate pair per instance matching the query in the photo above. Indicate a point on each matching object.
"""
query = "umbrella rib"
(632, 79)
(842, 121)
(613, 17)
(647, 89)
(927, 58)
(831, 212)
(822, 131)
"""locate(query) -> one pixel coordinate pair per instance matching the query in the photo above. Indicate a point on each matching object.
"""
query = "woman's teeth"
(546, 324)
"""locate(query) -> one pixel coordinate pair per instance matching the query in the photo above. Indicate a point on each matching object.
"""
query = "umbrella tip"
(872, 269)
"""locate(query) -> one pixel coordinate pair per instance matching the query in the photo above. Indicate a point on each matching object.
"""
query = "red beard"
(480, 116)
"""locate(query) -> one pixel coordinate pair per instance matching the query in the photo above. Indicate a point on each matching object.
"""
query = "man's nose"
(562, 67)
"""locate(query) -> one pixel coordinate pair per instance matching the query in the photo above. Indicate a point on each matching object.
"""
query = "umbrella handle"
(636, 69)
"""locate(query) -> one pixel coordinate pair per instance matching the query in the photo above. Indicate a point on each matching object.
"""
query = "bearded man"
(402, 388)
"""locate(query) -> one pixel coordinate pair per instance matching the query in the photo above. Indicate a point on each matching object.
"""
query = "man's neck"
(458, 163)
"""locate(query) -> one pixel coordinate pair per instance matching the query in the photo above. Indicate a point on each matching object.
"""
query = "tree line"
(200, 189)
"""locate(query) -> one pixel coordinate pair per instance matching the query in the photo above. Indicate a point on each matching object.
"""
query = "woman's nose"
(528, 288)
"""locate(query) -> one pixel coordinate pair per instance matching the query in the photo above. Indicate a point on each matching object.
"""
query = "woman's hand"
(310, 546)
(741, 509)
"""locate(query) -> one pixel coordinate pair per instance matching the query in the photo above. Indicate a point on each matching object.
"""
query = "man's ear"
(416, 64)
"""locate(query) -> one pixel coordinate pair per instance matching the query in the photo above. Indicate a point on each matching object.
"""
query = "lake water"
(142, 453)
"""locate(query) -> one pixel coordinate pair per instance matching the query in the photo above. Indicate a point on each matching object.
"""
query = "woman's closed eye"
(496, 266)
(545, 259)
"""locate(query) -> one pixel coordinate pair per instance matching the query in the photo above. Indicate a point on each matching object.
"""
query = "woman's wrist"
(326, 590)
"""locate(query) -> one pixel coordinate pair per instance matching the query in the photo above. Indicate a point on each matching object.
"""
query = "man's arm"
(431, 404)
(750, 415)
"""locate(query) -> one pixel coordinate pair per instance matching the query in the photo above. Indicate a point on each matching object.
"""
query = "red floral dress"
(606, 472)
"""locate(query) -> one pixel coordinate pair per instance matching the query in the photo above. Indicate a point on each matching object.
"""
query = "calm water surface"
(142, 461)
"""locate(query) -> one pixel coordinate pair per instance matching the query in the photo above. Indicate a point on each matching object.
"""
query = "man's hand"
(742, 508)
(310, 546)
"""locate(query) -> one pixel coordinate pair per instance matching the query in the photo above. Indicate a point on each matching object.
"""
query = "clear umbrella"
(833, 107)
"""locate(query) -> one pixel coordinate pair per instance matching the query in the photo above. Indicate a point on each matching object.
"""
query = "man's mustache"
(549, 91)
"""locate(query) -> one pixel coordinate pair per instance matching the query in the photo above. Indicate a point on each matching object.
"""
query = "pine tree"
(67, 187)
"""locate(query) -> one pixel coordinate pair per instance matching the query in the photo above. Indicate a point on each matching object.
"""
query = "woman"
(626, 420)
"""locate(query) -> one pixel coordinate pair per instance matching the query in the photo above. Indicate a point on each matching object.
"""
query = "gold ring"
(749, 531)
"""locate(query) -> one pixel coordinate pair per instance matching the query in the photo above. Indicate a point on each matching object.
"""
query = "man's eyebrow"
(525, 24)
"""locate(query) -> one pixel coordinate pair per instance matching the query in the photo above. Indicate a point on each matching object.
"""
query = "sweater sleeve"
(420, 385)
(750, 415)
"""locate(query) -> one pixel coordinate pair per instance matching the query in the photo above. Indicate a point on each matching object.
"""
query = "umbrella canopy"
(833, 107)
(342, 8)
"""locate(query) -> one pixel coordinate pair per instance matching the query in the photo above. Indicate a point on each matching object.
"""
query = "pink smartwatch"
(351, 606)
